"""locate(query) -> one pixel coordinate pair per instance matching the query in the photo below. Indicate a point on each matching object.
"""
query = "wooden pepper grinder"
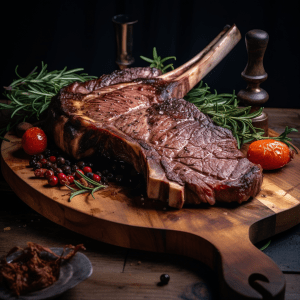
(254, 74)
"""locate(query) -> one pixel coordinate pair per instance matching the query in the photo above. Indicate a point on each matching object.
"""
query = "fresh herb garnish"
(157, 62)
(224, 111)
(31, 95)
(85, 189)
(265, 246)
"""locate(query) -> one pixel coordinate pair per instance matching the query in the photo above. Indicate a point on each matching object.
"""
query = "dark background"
(80, 34)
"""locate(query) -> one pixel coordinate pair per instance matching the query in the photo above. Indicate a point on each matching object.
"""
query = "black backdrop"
(80, 34)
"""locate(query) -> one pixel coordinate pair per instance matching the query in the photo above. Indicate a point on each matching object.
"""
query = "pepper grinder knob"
(254, 74)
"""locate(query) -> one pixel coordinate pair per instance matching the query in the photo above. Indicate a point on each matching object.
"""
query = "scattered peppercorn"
(67, 162)
(66, 170)
(74, 168)
(89, 175)
(40, 156)
(164, 279)
(81, 165)
(60, 161)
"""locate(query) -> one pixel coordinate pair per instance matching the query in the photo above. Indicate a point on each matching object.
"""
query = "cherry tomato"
(270, 154)
(34, 141)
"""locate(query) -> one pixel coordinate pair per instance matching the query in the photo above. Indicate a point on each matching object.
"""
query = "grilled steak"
(138, 116)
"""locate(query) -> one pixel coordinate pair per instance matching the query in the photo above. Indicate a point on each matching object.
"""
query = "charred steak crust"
(184, 156)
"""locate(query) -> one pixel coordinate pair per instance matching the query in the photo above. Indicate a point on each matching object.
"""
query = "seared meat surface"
(184, 156)
(139, 116)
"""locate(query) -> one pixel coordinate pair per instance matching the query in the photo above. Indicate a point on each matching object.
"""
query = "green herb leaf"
(157, 62)
(33, 93)
(265, 246)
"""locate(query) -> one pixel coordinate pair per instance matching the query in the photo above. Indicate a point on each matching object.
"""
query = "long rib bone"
(188, 75)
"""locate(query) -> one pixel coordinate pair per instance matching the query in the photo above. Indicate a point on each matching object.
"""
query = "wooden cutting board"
(220, 236)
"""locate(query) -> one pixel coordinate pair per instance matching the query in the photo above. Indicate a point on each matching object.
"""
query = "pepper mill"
(124, 36)
(254, 74)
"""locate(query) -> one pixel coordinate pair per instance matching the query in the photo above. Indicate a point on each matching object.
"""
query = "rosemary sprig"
(30, 96)
(224, 111)
(157, 62)
(85, 189)
(265, 246)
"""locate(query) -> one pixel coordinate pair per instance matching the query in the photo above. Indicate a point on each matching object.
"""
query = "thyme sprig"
(157, 62)
(225, 112)
(84, 189)
(30, 96)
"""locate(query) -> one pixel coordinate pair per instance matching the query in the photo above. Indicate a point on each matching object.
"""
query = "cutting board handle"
(245, 272)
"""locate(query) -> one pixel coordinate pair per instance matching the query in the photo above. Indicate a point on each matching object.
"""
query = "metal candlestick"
(123, 25)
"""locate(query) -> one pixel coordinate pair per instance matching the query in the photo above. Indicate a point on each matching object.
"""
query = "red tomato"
(270, 154)
(34, 141)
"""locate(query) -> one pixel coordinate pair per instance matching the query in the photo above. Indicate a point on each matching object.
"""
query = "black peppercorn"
(74, 168)
(37, 165)
(89, 164)
(39, 157)
(57, 171)
(89, 175)
(110, 176)
(66, 170)
(32, 162)
(67, 162)
(81, 165)
(164, 278)
(105, 172)
(119, 178)
(48, 165)
(54, 152)
(47, 153)
(104, 180)
(60, 161)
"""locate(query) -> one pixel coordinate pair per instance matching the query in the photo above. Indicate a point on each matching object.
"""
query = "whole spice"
(164, 279)
(30, 271)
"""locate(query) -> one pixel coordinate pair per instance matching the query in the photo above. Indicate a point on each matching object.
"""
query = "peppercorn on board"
(220, 236)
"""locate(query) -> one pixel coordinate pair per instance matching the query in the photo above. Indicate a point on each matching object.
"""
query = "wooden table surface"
(121, 273)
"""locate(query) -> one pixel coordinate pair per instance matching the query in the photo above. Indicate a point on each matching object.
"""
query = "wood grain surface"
(218, 236)
(114, 267)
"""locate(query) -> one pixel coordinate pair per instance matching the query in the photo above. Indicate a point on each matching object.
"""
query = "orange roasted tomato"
(34, 141)
(270, 154)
